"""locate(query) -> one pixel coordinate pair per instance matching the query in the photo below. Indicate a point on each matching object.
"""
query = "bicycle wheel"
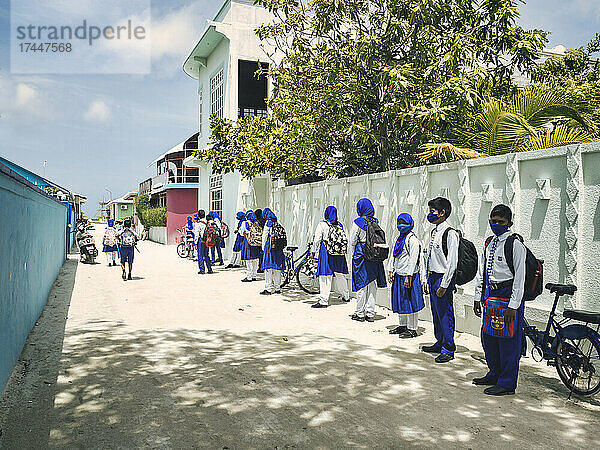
(306, 276)
(182, 250)
(578, 365)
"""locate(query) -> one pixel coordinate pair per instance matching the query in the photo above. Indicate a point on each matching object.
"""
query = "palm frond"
(446, 152)
(561, 135)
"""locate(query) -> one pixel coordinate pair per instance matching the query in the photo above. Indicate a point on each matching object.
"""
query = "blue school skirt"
(407, 301)
(109, 248)
(365, 272)
(330, 264)
(272, 259)
(249, 252)
(239, 241)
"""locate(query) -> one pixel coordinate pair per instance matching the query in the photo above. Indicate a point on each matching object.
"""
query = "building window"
(216, 193)
(200, 112)
(252, 112)
(216, 94)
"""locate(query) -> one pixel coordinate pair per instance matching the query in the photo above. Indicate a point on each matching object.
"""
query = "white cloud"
(97, 112)
(25, 95)
(176, 33)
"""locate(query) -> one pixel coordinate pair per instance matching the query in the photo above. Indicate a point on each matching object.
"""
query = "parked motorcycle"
(87, 246)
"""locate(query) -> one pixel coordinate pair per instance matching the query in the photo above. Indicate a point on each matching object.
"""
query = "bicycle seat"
(582, 316)
(292, 249)
(561, 289)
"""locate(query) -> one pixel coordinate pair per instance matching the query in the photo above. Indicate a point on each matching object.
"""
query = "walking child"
(199, 230)
(407, 293)
(499, 293)
(220, 242)
(110, 243)
(332, 267)
(127, 240)
(367, 275)
(273, 261)
(441, 263)
(250, 248)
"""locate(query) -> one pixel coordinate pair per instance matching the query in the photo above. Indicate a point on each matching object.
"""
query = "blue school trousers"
(203, 257)
(502, 355)
(442, 310)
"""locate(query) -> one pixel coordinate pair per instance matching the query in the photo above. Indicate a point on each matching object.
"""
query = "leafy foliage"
(151, 217)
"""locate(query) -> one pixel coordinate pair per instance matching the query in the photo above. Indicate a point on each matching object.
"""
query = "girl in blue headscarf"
(189, 236)
(367, 276)
(249, 229)
(236, 257)
(407, 293)
(220, 242)
(273, 261)
(329, 241)
(110, 243)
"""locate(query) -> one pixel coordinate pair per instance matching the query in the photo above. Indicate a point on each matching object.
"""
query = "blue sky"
(101, 131)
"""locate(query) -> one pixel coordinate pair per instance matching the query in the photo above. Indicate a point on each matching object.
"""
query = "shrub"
(154, 217)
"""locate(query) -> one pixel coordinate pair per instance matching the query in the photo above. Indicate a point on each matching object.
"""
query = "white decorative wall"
(554, 195)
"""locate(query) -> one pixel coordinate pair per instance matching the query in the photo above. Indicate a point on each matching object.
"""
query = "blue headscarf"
(111, 222)
(402, 237)
(364, 208)
(196, 218)
(331, 214)
(240, 216)
(251, 216)
(215, 215)
(269, 216)
(190, 223)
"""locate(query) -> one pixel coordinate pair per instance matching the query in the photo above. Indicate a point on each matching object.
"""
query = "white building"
(224, 62)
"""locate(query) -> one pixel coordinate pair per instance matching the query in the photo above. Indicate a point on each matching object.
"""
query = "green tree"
(362, 84)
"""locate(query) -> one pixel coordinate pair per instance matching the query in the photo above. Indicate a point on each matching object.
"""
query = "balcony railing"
(164, 179)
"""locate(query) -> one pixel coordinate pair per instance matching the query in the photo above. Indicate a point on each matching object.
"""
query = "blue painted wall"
(32, 251)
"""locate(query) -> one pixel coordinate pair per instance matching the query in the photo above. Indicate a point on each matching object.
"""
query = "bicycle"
(304, 269)
(185, 249)
(574, 349)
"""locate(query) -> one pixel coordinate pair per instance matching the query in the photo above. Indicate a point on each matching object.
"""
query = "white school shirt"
(438, 262)
(199, 228)
(265, 235)
(321, 234)
(244, 228)
(357, 235)
(407, 263)
(500, 270)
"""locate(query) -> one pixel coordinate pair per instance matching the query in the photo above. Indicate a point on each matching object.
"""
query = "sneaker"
(357, 318)
(408, 334)
(247, 280)
(265, 292)
(370, 318)
(124, 276)
(319, 305)
(399, 329)
(444, 358)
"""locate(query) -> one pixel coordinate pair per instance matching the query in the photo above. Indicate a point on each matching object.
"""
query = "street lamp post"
(107, 210)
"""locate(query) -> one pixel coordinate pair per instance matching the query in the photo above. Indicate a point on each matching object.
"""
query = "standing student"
(273, 261)
(503, 306)
(407, 293)
(220, 243)
(252, 234)
(440, 268)
(367, 276)
(199, 229)
(261, 223)
(127, 240)
(189, 237)
(110, 243)
(331, 268)
(236, 257)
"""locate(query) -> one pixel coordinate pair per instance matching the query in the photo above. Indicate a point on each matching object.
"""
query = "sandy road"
(173, 359)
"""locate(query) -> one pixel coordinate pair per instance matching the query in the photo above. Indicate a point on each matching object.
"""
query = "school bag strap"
(445, 239)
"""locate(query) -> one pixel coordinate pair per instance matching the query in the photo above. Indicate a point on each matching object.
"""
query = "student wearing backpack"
(110, 243)
(127, 240)
(200, 231)
(500, 290)
(220, 242)
(407, 293)
(273, 261)
(332, 242)
(252, 240)
(440, 270)
(367, 275)
(261, 223)
(236, 257)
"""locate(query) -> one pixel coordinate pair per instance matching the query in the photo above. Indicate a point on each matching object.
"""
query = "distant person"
(127, 240)
(500, 290)
(220, 242)
(274, 241)
(189, 236)
(236, 257)
(407, 293)
(441, 263)
(251, 244)
(331, 243)
(367, 275)
(110, 243)
(200, 229)
(261, 223)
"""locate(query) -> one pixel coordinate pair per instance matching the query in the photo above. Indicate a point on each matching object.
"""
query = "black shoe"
(124, 276)
(319, 305)
(357, 318)
(200, 272)
(129, 277)
(399, 330)
(347, 300)
(246, 280)
(265, 292)
(431, 349)
(278, 292)
(370, 318)
(229, 266)
(484, 381)
(443, 358)
(221, 263)
(408, 334)
(498, 390)
(210, 271)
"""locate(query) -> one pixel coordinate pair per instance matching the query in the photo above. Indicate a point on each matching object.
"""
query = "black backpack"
(467, 266)
(376, 248)
(278, 237)
(534, 268)
(337, 240)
